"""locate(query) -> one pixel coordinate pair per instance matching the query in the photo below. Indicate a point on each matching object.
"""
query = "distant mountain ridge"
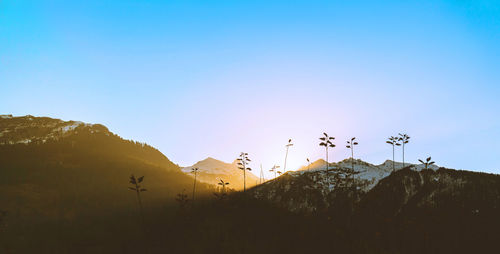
(367, 171)
(211, 171)
(310, 189)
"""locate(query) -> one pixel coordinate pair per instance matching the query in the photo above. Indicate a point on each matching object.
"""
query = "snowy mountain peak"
(27, 129)
(6, 116)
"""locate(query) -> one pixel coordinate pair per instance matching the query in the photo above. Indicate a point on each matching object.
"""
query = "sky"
(216, 78)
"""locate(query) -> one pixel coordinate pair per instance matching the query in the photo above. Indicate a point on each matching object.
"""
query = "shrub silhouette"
(427, 162)
(394, 142)
(286, 155)
(350, 145)
(326, 141)
(404, 138)
(243, 160)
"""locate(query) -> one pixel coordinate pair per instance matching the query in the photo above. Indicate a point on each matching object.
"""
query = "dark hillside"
(441, 211)
(72, 188)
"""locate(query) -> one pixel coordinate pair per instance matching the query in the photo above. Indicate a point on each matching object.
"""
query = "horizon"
(198, 80)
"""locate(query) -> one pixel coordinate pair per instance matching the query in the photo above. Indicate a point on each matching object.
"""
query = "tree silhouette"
(286, 156)
(326, 141)
(427, 162)
(394, 142)
(350, 145)
(243, 160)
(138, 189)
(404, 140)
(275, 170)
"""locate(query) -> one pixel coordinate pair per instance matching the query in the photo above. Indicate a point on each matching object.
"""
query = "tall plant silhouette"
(222, 194)
(286, 156)
(327, 142)
(308, 164)
(195, 172)
(261, 176)
(427, 162)
(275, 170)
(243, 161)
(223, 185)
(394, 142)
(404, 138)
(350, 145)
(138, 189)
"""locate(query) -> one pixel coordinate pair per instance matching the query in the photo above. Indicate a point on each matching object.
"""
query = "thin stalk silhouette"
(308, 164)
(286, 156)
(404, 138)
(326, 141)
(394, 142)
(274, 169)
(261, 176)
(138, 189)
(350, 145)
(427, 162)
(195, 172)
(243, 161)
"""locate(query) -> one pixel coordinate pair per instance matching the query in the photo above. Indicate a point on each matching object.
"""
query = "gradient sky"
(214, 78)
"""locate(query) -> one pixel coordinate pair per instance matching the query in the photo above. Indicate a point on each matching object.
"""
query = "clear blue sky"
(214, 78)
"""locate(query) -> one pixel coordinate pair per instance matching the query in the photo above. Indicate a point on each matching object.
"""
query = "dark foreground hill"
(64, 186)
(409, 211)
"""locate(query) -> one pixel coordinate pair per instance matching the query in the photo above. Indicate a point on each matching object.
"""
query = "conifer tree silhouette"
(243, 160)
(326, 141)
(404, 138)
(195, 172)
(350, 145)
(427, 162)
(394, 142)
(286, 156)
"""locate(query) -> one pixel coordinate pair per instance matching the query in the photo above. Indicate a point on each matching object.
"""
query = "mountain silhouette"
(211, 171)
